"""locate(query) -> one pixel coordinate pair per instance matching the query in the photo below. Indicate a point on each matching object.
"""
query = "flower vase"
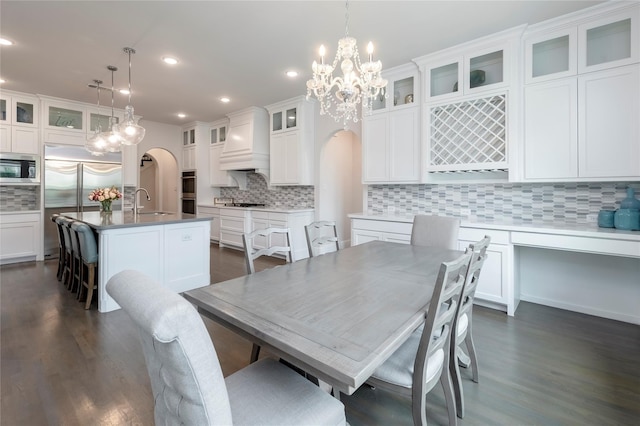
(105, 206)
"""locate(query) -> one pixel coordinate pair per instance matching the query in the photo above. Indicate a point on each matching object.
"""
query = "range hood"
(247, 145)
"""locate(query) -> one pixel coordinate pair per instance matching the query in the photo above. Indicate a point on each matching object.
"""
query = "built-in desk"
(172, 249)
(576, 267)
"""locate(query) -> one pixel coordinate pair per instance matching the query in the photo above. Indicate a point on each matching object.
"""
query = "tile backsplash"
(17, 198)
(523, 202)
(279, 196)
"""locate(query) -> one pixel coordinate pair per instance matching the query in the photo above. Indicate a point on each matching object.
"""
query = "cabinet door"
(375, 149)
(285, 158)
(442, 79)
(609, 132)
(609, 42)
(550, 56)
(215, 228)
(359, 236)
(404, 146)
(5, 138)
(24, 140)
(486, 69)
(24, 111)
(67, 117)
(551, 141)
(189, 158)
(492, 285)
(5, 109)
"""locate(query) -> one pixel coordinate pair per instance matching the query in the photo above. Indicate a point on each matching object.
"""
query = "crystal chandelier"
(360, 83)
(130, 131)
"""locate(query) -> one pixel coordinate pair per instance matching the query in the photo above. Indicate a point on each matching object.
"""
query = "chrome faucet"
(135, 200)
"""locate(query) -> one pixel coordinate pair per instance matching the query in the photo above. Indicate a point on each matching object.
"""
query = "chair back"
(87, 241)
(322, 237)
(56, 218)
(270, 236)
(436, 334)
(186, 378)
(66, 233)
(478, 256)
(435, 231)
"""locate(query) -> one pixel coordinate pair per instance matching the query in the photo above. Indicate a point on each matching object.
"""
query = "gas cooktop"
(245, 205)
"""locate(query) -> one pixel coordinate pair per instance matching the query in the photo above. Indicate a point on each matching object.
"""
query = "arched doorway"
(159, 176)
(339, 188)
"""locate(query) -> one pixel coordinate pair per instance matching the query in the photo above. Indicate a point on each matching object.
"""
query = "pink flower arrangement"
(105, 196)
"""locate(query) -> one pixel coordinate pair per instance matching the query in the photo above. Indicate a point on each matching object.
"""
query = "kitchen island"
(172, 248)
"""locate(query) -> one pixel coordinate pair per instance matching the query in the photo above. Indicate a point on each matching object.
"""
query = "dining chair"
(67, 274)
(88, 261)
(265, 239)
(435, 231)
(322, 237)
(186, 378)
(463, 324)
(422, 361)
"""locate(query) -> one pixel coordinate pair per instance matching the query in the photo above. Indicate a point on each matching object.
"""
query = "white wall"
(338, 189)
(165, 188)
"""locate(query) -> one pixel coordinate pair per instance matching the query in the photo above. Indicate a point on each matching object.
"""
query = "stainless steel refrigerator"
(70, 173)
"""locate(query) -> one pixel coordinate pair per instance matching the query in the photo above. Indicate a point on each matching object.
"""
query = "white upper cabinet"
(391, 134)
(19, 123)
(590, 42)
(217, 138)
(582, 97)
(291, 142)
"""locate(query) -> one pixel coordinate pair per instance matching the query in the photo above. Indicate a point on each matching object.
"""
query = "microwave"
(19, 168)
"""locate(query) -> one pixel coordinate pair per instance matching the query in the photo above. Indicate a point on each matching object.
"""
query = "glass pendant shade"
(95, 143)
(129, 130)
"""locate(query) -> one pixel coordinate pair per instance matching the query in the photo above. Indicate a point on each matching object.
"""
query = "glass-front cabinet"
(284, 120)
(400, 90)
(5, 110)
(595, 44)
(24, 111)
(486, 69)
(102, 118)
(218, 132)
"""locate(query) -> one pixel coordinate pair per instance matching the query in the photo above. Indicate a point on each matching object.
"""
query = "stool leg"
(91, 280)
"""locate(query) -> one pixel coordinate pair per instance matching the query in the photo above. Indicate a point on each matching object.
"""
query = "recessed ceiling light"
(124, 91)
(181, 115)
(169, 60)
(5, 42)
(292, 73)
(224, 99)
(2, 80)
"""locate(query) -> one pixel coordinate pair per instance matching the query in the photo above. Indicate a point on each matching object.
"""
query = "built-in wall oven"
(189, 192)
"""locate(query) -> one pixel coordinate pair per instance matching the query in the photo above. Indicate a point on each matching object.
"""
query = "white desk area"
(580, 268)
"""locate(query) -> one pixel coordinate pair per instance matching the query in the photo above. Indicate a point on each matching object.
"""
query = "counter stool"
(88, 261)
(61, 249)
(76, 259)
(67, 271)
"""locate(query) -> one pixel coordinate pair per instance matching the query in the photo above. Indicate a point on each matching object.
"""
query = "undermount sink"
(153, 213)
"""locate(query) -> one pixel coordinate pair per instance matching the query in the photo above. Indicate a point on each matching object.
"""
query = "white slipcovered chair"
(186, 378)
(435, 231)
(423, 360)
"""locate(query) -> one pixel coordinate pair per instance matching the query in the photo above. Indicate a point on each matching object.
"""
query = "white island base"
(173, 250)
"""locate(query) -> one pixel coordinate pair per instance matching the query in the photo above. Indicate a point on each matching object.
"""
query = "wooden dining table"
(338, 316)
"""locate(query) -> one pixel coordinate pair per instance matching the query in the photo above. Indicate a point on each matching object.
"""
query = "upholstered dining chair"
(435, 231)
(186, 377)
(423, 360)
(273, 240)
(322, 237)
(88, 261)
(463, 324)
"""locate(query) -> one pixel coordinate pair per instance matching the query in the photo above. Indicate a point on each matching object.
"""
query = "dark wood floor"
(62, 365)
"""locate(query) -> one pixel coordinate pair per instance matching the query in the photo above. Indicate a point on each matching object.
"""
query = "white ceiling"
(240, 49)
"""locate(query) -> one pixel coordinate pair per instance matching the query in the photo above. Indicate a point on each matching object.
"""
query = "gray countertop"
(119, 219)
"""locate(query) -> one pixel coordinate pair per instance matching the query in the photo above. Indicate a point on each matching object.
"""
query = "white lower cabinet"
(19, 237)
(234, 222)
(214, 214)
(495, 289)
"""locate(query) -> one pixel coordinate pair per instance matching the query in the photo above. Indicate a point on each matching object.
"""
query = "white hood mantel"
(247, 144)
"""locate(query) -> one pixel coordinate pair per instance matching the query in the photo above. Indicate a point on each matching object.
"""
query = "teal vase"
(631, 202)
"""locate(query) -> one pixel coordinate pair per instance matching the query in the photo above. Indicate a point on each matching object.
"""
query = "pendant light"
(131, 132)
(95, 143)
(112, 136)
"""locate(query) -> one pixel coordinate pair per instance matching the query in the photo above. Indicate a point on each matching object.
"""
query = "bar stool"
(61, 249)
(88, 260)
(67, 271)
